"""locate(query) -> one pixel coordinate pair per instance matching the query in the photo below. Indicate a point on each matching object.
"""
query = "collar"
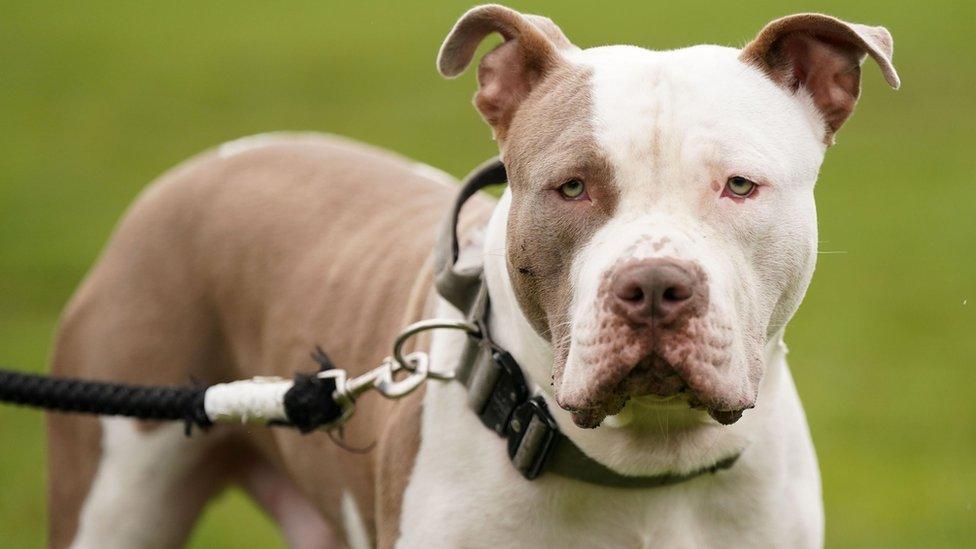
(497, 390)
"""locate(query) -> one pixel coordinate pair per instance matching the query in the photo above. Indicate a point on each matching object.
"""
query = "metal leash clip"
(383, 378)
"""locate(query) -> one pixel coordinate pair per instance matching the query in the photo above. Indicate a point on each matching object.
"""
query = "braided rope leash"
(92, 397)
(306, 402)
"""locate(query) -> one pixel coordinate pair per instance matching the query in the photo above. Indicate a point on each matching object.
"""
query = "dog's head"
(662, 226)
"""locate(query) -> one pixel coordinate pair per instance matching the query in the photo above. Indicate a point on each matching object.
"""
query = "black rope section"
(308, 403)
(167, 403)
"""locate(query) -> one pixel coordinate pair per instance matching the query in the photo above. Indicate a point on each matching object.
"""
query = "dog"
(657, 234)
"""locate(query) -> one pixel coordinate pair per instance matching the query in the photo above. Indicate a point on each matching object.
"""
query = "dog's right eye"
(574, 189)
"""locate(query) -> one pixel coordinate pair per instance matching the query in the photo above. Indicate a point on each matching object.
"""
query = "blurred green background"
(98, 98)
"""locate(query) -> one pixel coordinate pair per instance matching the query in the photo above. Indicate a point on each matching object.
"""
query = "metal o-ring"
(424, 326)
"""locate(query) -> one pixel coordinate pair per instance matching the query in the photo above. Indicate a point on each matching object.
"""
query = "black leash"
(103, 398)
(308, 404)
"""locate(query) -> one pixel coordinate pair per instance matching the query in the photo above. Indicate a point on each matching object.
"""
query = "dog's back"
(237, 264)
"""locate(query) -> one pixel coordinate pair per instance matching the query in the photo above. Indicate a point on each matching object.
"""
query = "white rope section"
(257, 400)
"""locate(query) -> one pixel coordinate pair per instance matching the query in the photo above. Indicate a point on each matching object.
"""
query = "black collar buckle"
(532, 436)
(496, 388)
(498, 393)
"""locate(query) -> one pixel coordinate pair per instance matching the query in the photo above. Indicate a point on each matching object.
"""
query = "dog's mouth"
(653, 376)
(653, 383)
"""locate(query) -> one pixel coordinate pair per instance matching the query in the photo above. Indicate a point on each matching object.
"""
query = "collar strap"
(459, 285)
(497, 390)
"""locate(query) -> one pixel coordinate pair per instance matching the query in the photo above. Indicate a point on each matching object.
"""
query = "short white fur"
(133, 486)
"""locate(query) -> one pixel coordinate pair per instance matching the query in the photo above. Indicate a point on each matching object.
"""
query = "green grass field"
(98, 98)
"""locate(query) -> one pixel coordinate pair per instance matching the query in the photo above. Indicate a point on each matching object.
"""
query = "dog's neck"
(639, 441)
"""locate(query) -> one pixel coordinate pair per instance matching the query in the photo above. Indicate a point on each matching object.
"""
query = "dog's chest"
(463, 492)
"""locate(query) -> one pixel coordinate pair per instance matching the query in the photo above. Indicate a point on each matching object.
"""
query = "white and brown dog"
(658, 233)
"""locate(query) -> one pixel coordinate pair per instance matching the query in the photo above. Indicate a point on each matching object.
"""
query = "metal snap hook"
(383, 380)
(389, 387)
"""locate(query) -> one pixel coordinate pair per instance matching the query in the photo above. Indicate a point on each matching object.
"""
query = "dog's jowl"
(657, 235)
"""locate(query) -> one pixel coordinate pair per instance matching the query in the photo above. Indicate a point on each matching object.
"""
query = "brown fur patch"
(551, 142)
(399, 444)
(508, 73)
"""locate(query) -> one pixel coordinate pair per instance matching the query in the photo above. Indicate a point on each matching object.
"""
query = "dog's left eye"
(739, 186)
(574, 189)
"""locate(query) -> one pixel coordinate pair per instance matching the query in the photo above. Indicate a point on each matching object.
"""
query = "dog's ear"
(823, 55)
(508, 73)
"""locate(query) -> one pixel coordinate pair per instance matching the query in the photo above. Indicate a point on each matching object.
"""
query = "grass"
(97, 98)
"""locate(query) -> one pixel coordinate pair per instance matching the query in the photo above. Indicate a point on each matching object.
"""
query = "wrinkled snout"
(653, 332)
(654, 302)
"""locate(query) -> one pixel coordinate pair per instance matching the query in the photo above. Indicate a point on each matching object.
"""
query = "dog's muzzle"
(653, 335)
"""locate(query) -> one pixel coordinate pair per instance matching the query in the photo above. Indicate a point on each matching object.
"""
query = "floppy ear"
(508, 73)
(823, 55)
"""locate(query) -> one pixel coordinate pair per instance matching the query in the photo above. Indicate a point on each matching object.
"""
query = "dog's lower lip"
(655, 401)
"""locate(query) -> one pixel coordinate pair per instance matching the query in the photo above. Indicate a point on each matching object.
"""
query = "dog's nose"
(656, 291)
